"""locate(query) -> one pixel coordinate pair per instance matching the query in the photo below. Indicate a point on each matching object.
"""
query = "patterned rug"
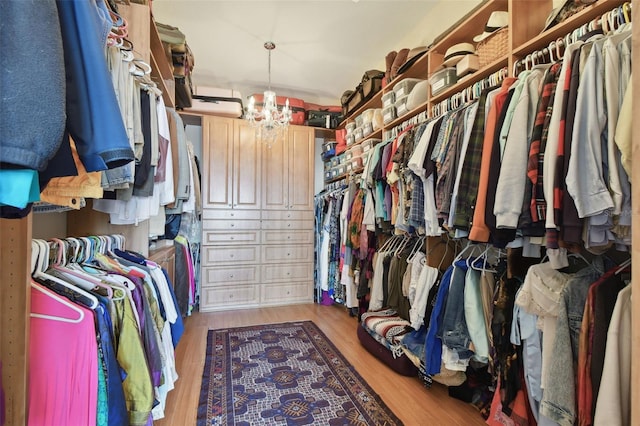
(283, 374)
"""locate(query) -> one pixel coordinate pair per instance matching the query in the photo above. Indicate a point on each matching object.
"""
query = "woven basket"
(493, 47)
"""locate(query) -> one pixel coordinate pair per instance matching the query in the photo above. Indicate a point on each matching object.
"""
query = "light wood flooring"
(406, 396)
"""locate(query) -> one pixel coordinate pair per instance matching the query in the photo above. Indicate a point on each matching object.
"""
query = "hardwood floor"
(405, 396)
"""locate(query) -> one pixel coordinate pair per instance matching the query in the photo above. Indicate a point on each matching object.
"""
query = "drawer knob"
(288, 273)
(233, 238)
(231, 296)
(231, 276)
(289, 225)
(288, 254)
(232, 214)
(232, 225)
(288, 237)
(230, 255)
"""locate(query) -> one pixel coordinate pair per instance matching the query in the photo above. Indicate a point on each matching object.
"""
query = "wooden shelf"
(374, 102)
(421, 108)
(418, 70)
(586, 15)
(471, 79)
(472, 26)
(161, 72)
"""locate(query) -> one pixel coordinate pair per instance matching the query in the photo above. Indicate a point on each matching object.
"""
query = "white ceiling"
(322, 49)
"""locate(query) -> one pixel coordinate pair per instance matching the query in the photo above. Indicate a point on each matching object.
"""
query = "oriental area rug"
(283, 374)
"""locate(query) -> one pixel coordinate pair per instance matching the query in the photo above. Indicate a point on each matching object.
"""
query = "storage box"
(342, 169)
(389, 114)
(467, 65)
(401, 106)
(351, 139)
(442, 79)
(356, 163)
(359, 121)
(327, 174)
(367, 116)
(217, 101)
(342, 159)
(335, 161)
(403, 87)
(377, 119)
(368, 144)
(367, 129)
(329, 146)
(355, 151)
(358, 134)
(388, 99)
(351, 127)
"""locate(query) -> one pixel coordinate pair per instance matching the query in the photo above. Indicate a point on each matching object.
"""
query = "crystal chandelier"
(270, 123)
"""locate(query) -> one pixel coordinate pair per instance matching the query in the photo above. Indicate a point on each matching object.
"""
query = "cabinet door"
(247, 162)
(217, 173)
(301, 166)
(274, 176)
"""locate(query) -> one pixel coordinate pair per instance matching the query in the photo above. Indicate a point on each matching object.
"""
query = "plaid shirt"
(538, 204)
(447, 169)
(468, 187)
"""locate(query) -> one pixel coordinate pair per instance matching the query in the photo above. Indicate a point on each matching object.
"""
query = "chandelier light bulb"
(270, 123)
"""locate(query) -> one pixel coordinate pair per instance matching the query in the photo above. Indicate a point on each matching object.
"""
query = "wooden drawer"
(288, 237)
(230, 237)
(288, 224)
(230, 275)
(287, 273)
(287, 215)
(231, 214)
(225, 255)
(229, 297)
(282, 294)
(224, 224)
(287, 254)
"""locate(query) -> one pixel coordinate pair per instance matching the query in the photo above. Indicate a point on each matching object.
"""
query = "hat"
(453, 54)
(414, 54)
(497, 20)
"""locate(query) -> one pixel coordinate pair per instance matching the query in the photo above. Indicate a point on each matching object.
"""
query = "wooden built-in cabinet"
(231, 179)
(287, 179)
(257, 216)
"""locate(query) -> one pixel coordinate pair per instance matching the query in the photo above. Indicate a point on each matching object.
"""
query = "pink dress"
(63, 370)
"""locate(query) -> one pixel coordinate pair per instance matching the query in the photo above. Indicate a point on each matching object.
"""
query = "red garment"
(520, 414)
(479, 229)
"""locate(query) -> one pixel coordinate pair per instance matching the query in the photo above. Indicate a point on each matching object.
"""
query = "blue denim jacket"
(454, 332)
(559, 399)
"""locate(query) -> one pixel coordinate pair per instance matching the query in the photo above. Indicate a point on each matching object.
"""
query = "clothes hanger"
(43, 266)
(60, 300)
(78, 277)
(623, 266)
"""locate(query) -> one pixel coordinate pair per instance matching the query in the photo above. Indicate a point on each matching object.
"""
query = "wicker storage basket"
(493, 47)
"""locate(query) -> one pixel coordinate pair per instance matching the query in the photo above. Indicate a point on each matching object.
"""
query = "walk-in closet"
(328, 213)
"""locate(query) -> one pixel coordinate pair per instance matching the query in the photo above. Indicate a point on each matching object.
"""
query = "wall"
(319, 167)
(50, 225)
